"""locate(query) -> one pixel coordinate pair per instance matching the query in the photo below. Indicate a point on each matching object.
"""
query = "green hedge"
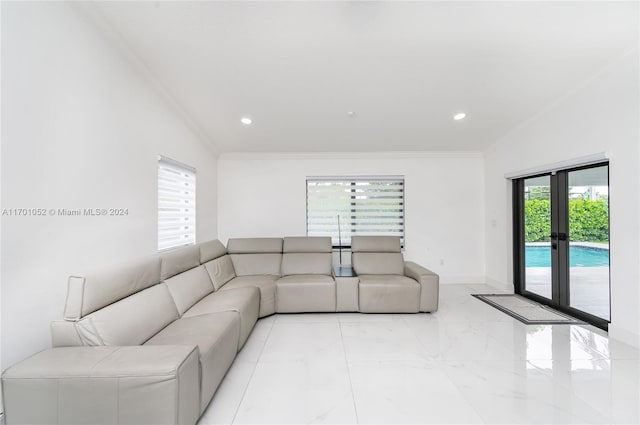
(588, 220)
(537, 219)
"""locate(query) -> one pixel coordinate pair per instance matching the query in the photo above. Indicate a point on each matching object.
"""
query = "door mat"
(527, 311)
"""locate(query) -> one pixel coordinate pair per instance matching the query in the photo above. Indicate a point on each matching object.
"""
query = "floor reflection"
(581, 360)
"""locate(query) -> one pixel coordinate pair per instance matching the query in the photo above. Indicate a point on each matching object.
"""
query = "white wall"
(601, 117)
(265, 195)
(81, 128)
(1, 398)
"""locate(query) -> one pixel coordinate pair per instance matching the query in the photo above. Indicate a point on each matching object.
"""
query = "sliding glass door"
(589, 240)
(537, 235)
(561, 241)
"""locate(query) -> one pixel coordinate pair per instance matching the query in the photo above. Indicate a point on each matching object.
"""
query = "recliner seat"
(307, 284)
(256, 263)
(388, 284)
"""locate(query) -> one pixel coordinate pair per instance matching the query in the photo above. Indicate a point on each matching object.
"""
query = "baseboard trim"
(504, 287)
(453, 279)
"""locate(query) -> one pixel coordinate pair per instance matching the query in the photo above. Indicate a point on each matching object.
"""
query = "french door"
(561, 241)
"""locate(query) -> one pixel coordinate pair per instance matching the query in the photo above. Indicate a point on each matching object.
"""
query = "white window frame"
(176, 204)
(357, 215)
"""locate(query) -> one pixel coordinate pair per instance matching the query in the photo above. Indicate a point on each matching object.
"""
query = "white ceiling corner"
(91, 11)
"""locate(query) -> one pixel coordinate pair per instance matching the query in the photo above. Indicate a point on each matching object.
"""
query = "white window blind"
(176, 204)
(344, 206)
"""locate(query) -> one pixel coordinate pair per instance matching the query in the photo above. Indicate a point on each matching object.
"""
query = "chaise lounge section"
(150, 342)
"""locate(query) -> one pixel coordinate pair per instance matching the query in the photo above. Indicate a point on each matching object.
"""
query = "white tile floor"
(467, 363)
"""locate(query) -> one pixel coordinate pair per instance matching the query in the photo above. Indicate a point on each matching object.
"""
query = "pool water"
(579, 256)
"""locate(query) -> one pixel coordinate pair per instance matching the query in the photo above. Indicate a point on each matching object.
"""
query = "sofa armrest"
(429, 282)
(106, 384)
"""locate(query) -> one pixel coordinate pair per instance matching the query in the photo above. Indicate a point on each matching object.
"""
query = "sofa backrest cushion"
(375, 244)
(254, 245)
(220, 271)
(256, 256)
(187, 288)
(211, 250)
(306, 255)
(377, 255)
(178, 260)
(377, 263)
(92, 291)
(311, 244)
(130, 321)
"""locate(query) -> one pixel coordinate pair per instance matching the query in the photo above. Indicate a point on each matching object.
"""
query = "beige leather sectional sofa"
(151, 341)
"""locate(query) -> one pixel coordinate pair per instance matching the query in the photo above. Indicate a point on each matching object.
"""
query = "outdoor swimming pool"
(579, 256)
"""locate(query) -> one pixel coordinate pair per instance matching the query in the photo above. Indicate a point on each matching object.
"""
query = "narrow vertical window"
(176, 204)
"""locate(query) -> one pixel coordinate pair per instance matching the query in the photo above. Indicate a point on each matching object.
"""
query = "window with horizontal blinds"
(341, 207)
(176, 204)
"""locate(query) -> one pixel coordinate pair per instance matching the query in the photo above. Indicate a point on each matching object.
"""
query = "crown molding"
(346, 155)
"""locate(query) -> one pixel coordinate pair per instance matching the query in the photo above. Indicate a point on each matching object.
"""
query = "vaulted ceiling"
(403, 68)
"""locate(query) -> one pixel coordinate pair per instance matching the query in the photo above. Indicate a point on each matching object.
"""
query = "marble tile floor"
(468, 363)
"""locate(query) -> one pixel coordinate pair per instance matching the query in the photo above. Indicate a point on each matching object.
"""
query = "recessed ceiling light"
(351, 114)
(246, 120)
(459, 116)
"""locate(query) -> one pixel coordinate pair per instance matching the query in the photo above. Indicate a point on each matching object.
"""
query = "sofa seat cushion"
(245, 301)
(216, 336)
(388, 294)
(267, 286)
(305, 293)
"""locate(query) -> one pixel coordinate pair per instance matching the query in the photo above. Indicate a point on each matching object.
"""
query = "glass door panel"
(588, 202)
(537, 231)
(561, 241)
